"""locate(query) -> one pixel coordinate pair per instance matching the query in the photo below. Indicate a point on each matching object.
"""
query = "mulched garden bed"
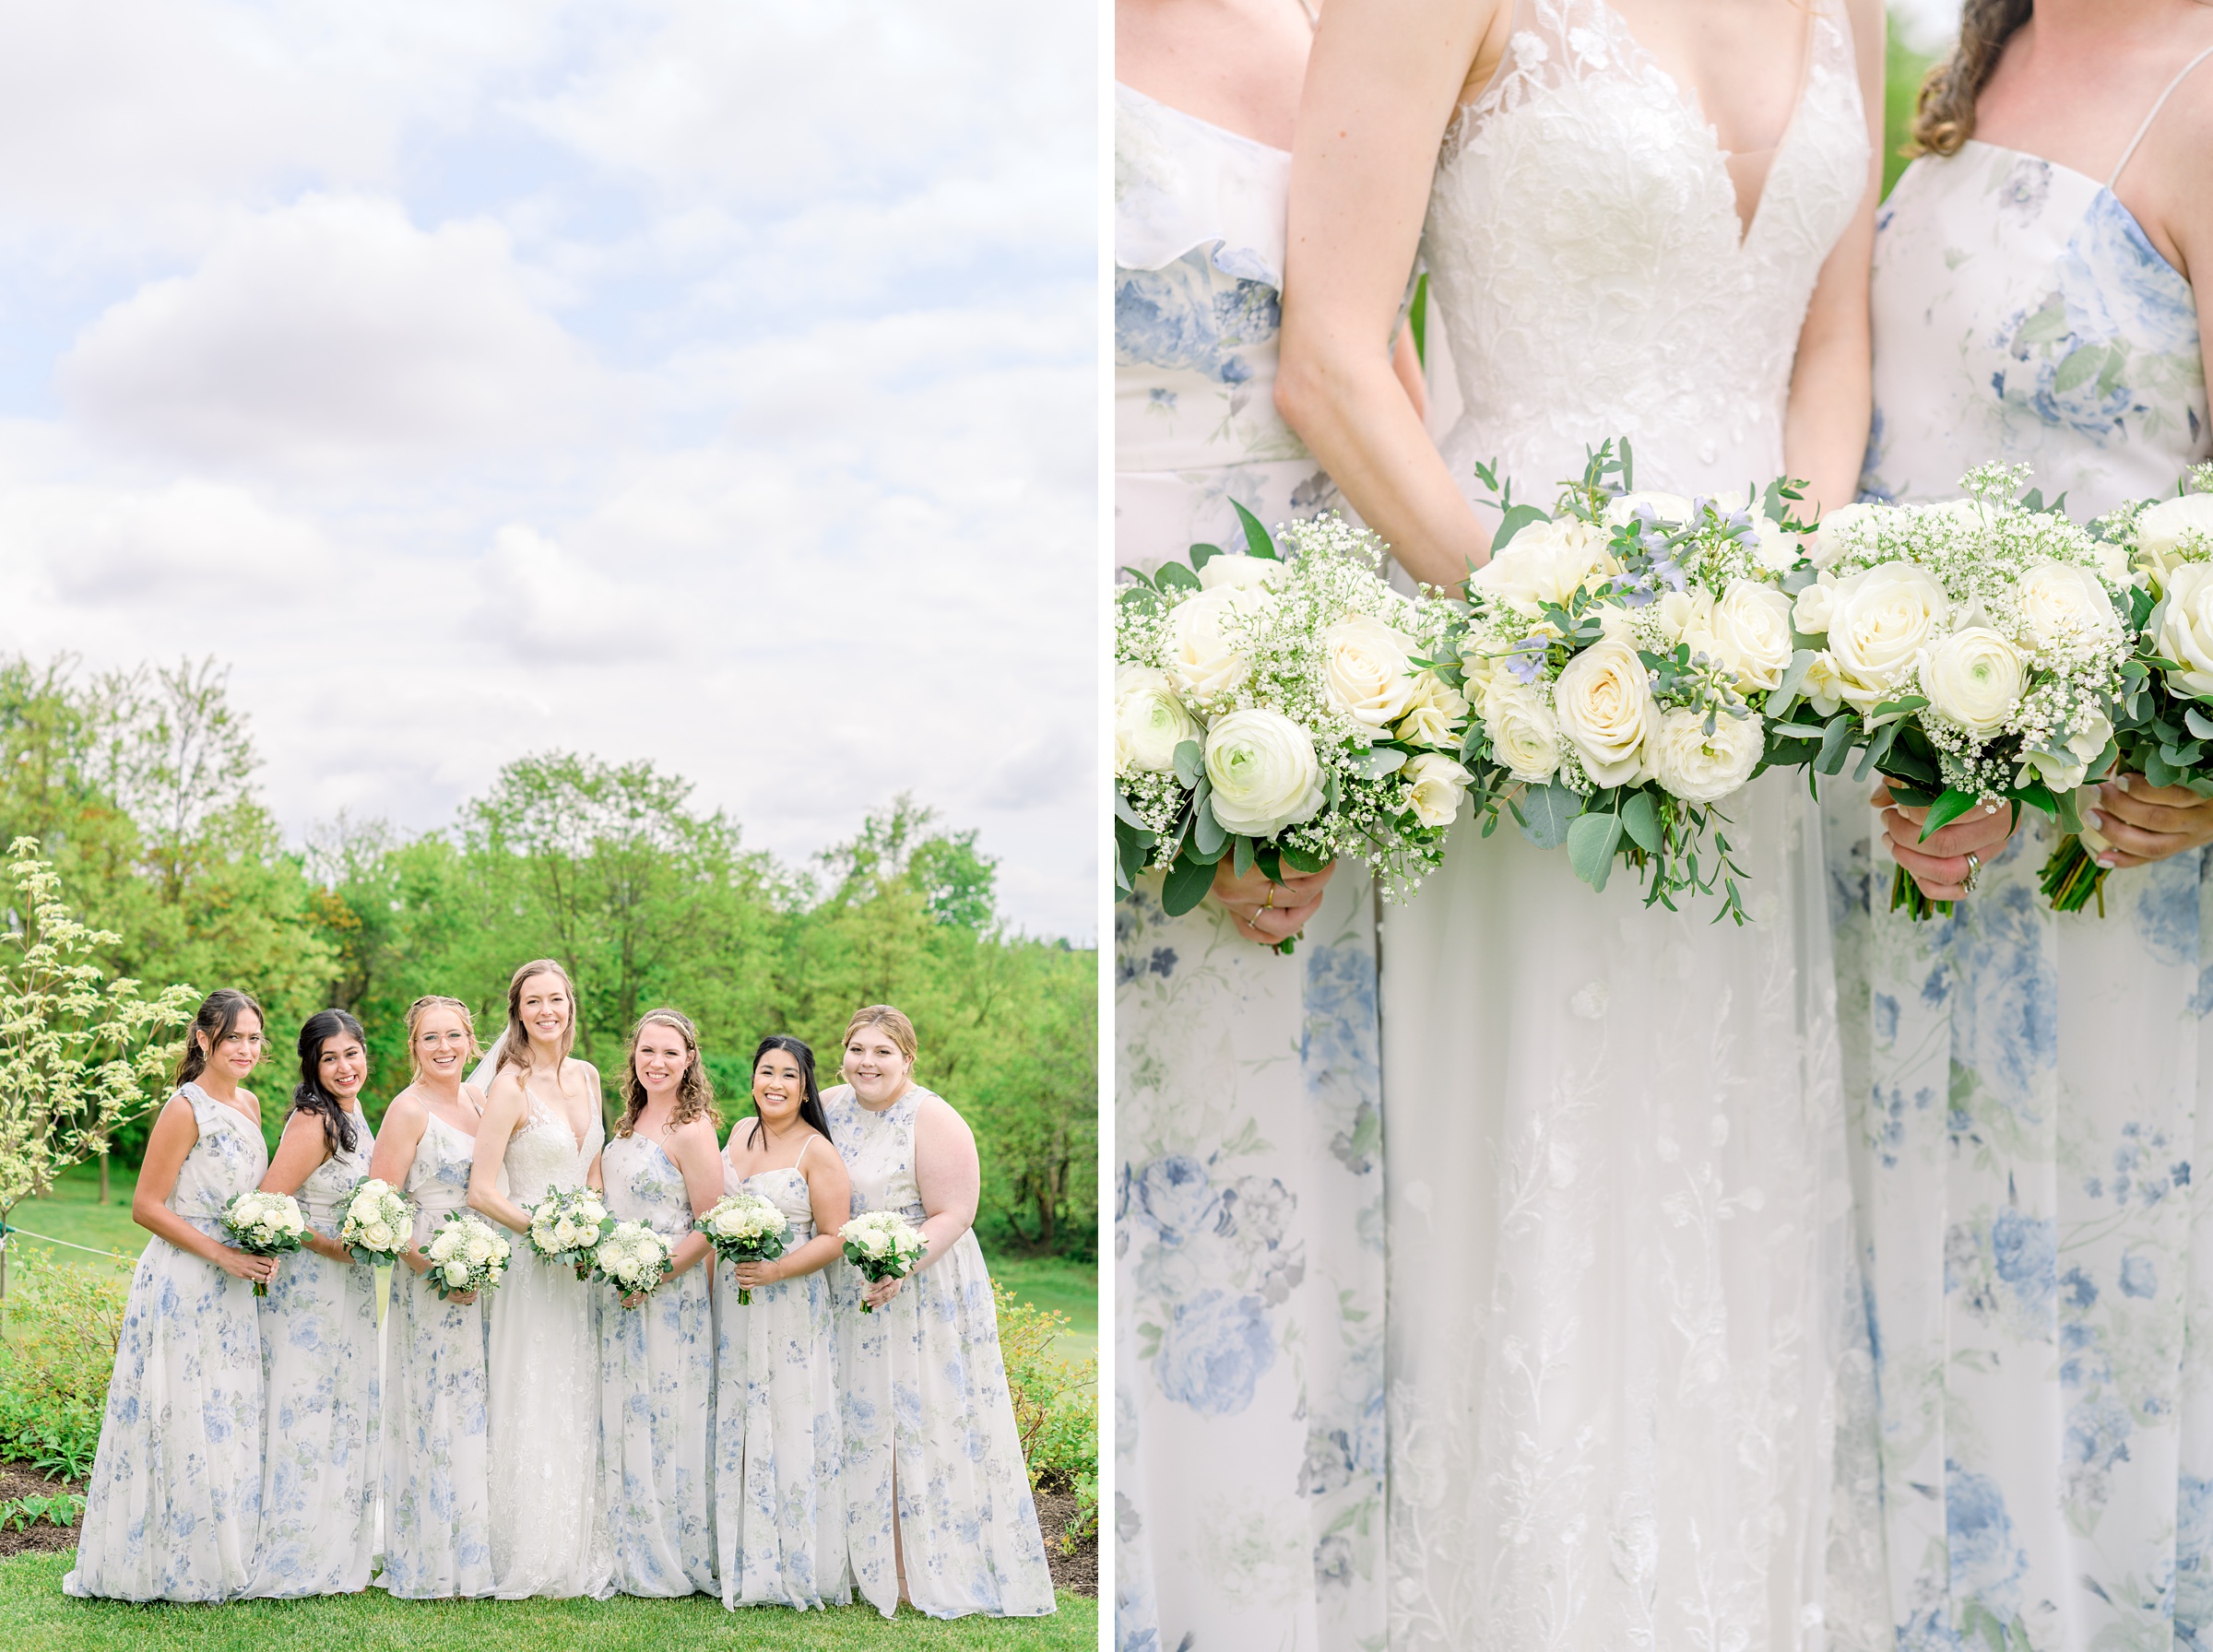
(20, 1480)
(1077, 1571)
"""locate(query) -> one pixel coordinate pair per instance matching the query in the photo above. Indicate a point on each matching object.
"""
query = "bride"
(1617, 1207)
(542, 1125)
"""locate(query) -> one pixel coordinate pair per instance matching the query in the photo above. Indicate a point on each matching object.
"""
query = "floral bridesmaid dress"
(925, 1409)
(2030, 1089)
(657, 1393)
(319, 1354)
(173, 1511)
(779, 1521)
(437, 1501)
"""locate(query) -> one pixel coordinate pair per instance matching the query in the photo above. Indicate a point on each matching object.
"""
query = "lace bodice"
(878, 1149)
(328, 1184)
(1587, 259)
(228, 1159)
(645, 1185)
(543, 1154)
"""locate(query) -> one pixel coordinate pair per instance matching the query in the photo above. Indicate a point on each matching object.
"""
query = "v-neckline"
(1695, 113)
(567, 1128)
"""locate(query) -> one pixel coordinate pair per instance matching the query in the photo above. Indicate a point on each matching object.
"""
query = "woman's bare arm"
(504, 1110)
(175, 1132)
(301, 1151)
(692, 1148)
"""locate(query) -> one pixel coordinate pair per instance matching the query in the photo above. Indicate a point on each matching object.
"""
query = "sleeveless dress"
(779, 1520)
(1248, 1234)
(1619, 1208)
(319, 1358)
(924, 1406)
(437, 1489)
(2031, 1090)
(549, 1534)
(657, 1393)
(173, 1509)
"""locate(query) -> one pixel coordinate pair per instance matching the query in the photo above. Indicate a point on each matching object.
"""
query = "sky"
(705, 382)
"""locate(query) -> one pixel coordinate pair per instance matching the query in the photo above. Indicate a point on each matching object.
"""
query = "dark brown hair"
(694, 1090)
(310, 1096)
(1944, 117)
(217, 1017)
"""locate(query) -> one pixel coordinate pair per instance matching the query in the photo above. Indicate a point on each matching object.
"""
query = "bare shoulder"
(408, 1108)
(251, 1100)
(941, 1118)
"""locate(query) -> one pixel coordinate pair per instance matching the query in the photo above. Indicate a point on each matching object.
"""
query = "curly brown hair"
(694, 1090)
(1944, 117)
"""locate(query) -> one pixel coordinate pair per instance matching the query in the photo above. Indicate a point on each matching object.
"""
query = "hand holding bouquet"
(377, 1223)
(263, 1225)
(567, 1225)
(745, 1228)
(466, 1254)
(1282, 712)
(884, 1245)
(634, 1259)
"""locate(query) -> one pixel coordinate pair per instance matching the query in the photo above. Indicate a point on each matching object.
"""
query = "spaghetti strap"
(2127, 154)
(803, 1158)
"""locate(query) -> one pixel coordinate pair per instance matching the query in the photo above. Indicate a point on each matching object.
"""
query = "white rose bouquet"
(1625, 656)
(633, 1257)
(2163, 548)
(567, 1225)
(263, 1225)
(466, 1253)
(1975, 652)
(884, 1245)
(745, 1228)
(1281, 711)
(377, 1223)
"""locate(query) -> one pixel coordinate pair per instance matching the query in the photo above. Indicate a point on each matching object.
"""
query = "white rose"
(1603, 703)
(1149, 721)
(1879, 622)
(1671, 508)
(1974, 678)
(1264, 773)
(480, 1248)
(1752, 633)
(1847, 528)
(2062, 604)
(1438, 785)
(1366, 671)
(2187, 628)
(1811, 612)
(1203, 661)
(872, 1244)
(1546, 562)
(1525, 735)
(378, 1237)
(2172, 530)
(1704, 768)
(1430, 715)
(1242, 572)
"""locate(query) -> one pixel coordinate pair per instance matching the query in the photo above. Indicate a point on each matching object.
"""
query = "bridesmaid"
(656, 1352)
(437, 1497)
(2037, 1090)
(779, 1520)
(318, 1338)
(174, 1506)
(938, 1506)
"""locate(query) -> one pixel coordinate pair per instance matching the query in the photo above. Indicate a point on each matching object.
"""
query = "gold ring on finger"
(1974, 870)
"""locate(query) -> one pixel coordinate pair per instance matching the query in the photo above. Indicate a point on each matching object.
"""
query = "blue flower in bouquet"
(1215, 1353)
(1179, 1196)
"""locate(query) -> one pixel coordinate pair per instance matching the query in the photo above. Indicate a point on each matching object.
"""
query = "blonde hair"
(423, 1007)
(896, 1027)
(694, 1090)
(516, 1051)
(1944, 115)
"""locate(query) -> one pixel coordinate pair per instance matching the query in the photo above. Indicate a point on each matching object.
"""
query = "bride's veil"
(488, 1064)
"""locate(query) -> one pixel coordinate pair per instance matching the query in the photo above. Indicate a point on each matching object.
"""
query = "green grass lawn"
(34, 1613)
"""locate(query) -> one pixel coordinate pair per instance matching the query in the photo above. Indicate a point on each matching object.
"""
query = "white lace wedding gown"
(1618, 1195)
(549, 1528)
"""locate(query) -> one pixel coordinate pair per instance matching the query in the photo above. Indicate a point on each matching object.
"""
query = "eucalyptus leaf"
(1208, 835)
(1793, 676)
(1544, 812)
(2198, 722)
(1516, 518)
(1836, 744)
(1592, 840)
(1378, 762)
(1190, 761)
(1242, 856)
(1640, 819)
(1186, 885)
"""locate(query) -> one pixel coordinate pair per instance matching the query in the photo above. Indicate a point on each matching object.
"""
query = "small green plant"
(1054, 1401)
(19, 1514)
(1085, 1523)
(56, 1359)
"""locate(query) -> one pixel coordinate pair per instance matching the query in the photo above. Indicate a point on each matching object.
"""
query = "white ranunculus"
(1525, 735)
(2062, 604)
(1263, 771)
(1432, 713)
(1704, 768)
(1879, 622)
(2187, 628)
(1811, 612)
(1846, 528)
(1775, 551)
(1366, 671)
(1438, 783)
(1149, 721)
(456, 1275)
(1751, 629)
(1671, 508)
(2064, 769)
(1974, 677)
(1824, 684)
(1203, 656)
(1244, 572)
(1546, 562)
(2172, 531)
(1603, 703)
(1688, 617)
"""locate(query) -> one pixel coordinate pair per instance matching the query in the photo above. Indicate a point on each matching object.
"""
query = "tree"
(76, 1057)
